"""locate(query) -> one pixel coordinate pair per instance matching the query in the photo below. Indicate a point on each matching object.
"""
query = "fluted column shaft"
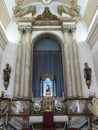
(18, 65)
(27, 64)
(67, 62)
(76, 63)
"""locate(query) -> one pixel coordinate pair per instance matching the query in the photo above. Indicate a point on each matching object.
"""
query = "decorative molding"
(48, 22)
(47, 29)
(29, 28)
(93, 34)
(47, 17)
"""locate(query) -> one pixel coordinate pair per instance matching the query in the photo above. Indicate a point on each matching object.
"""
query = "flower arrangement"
(37, 108)
(58, 108)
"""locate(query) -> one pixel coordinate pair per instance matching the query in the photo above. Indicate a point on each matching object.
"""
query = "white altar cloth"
(39, 119)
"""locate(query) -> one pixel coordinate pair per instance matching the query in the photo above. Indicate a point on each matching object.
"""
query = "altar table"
(39, 119)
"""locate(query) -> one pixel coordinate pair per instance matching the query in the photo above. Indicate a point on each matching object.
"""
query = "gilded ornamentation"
(20, 2)
(72, 11)
(18, 11)
(95, 106)
(47, 15)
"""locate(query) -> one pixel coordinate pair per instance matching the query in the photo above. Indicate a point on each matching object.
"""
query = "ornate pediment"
(30, 15)
(47, 15)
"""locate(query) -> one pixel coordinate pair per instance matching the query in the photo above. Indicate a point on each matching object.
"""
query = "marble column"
(27, 64)
(76, 63)
(67, 62)
(18, 65)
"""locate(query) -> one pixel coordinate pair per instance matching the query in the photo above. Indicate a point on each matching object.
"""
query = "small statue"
(6, 75)
(87, 74)
(2, 94)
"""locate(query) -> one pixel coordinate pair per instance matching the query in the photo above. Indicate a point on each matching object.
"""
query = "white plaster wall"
(82, 4)
(8, 56)
(10, 4)
(95, 58)
(81, 32)
(1, 51)
(12, 32)
(85, 55)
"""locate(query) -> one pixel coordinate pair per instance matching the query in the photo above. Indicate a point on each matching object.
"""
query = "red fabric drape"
(48, 119)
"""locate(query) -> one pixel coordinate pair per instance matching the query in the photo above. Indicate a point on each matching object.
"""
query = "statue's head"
(7, 65)
(86, 64)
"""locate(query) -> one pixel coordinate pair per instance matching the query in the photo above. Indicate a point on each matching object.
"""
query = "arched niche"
(48, 85)
(35, 47)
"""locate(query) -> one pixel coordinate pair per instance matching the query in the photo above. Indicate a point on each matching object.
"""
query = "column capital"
(25, 28)
(20, 29)
(65, 27)
(68, 28)
(73, 29)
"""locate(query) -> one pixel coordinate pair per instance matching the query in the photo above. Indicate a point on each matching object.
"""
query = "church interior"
(48, 64)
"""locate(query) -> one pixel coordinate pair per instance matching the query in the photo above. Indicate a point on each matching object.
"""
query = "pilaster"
(18, 65)
(67, 62)
(27, 64)
(76, 63)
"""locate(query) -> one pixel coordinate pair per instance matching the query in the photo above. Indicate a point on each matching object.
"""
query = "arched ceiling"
(11, 3)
